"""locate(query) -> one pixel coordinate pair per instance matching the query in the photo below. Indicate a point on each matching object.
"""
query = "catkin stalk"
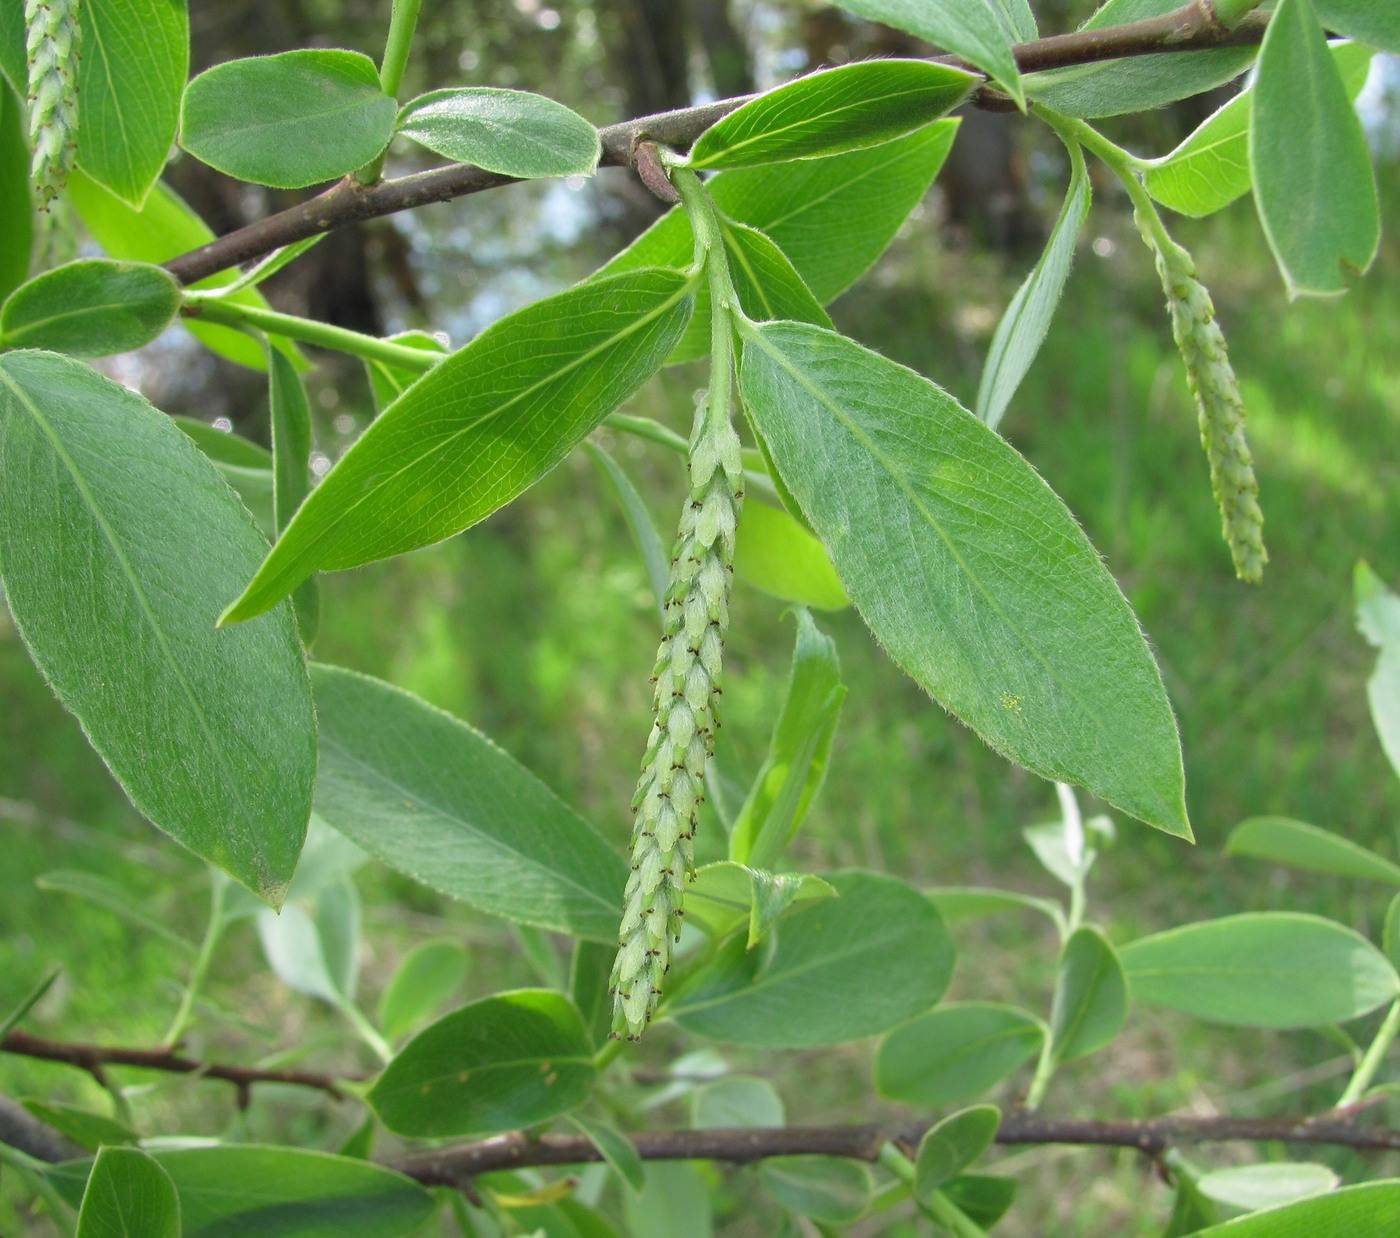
(687, 677)
(1218, 404)
(53, 41)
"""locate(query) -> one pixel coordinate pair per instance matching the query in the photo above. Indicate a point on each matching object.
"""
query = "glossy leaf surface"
(91, 308)
(1305, 846)
(1266, 969)
(955, 1053)
(289, 120)
(504, 1062)
(128, 1194)
(967, 567)
(511, 132)
(437, 800)
(479, 428)
(211, 734)
(842, 968)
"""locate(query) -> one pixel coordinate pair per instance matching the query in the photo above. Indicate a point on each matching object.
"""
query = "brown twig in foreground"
(1189, 28)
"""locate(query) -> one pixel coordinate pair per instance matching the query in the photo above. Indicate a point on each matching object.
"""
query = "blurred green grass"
(538, 628)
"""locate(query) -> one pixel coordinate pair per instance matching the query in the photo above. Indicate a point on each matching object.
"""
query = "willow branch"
(1189, 28)
(95, 1058)
(456, 1165)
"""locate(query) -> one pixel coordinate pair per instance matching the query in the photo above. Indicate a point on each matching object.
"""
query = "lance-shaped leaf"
(289, 120)
(634, 508)
(480, 427)
(91, 308)
(1091, 996)
(511, 132)
(507, 1061)
(424, 980)
(1371, 1208)
(388, 381)
(955, 1052)
(440, 802)
(115, 583)
(128, 1193)
(1022, 328)
(1305, 846)
(967, 567)
(1313, 182)
(1378, 617)
(16, 210)
(136, 56)
(1210, 169)
(843, 109)
(1267, 969)
(980, 31)
(1134, 83)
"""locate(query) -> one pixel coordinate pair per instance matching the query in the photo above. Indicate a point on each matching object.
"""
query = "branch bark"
(1189, 28)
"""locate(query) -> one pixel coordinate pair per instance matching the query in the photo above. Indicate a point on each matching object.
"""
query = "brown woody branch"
(456, 1165)
(95, 1058)
(1189, 28)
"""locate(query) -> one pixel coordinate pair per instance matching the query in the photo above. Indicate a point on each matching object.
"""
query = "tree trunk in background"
(646, 42)
(727, 54)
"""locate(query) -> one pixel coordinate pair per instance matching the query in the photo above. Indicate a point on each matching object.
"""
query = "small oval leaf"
(955, 1053)
(1305, 846)
(424, 980)
(1091, 996)
(91, 308)
(952, 1145)
(507, 1061)
(1268, 1185)
(128, 1193)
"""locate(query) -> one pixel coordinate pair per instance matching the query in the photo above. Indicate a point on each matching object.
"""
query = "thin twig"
(1189, 28)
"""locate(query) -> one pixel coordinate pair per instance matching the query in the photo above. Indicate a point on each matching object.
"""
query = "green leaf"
(777, 555)
(281, 1192)
(128, 1194)
(955, 1053)
(980, 31)
(1378, 617)
(1376, 22)
(634, 508)
(291, 456)
(479, 428)
(829, 1189)
(91, 1130)
(1136, 83)
(91, 308)
(736, 1100)
(135, 58)
(1305, 846)
(993, 600)
(1390, 932)
(424, 980)
(292, 943)
(16, 210)
(1371, 1208)
(163, 227)
(1023, 326)
(507, 1061)
(832, 217)
(616, 1149)
(1210, 169)
(440, 802)
(983, 1198)
(726, 895)
(958, 903)
(842, 968)
(225, 447)
(828, 113)
(1091, 996)
(289, 120)
(388, 382)
(951, 1146)
(1313, 182)
(676, 1203)
(114, 583)
(799, 751)
(590, 972)
(1191, 1211)
(110, 894)
(1267, 969)
(12, 56)
(1267, 1185)
(511, 132)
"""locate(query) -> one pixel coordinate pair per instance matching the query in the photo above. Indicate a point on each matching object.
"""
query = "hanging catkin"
(52, 43)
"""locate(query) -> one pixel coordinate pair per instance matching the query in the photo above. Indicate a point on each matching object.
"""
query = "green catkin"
(52, 44)
(687, 677)
(1218, 404)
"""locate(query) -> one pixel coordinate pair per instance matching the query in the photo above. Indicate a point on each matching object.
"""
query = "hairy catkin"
(52, 42)
(687, 677)
(1218, 404)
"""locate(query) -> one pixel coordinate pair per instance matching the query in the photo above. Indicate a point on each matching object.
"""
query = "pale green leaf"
(1376, 22)
(1266, 969)
(1372, 1208)
(841, 968)
(440, 802)
(1313, 182)
(114, 583)
(958, 903)
(1390, 932)
(676, 1203)
(1378, 617)
(955, 1143)
(837, 110)
(128, 1196)
(736, 1100)
(1305, 846)
(777, 555)
(829, 1189)
(1091, 996)
(507, 1061)
(82, 1126)
(1268, 1185)
(91, 308)
(967, 567)
(424, 980)
(955, 1053)
(479, 428)
(725, 895)
(292, 945)
(511, 132)
(289, 120)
